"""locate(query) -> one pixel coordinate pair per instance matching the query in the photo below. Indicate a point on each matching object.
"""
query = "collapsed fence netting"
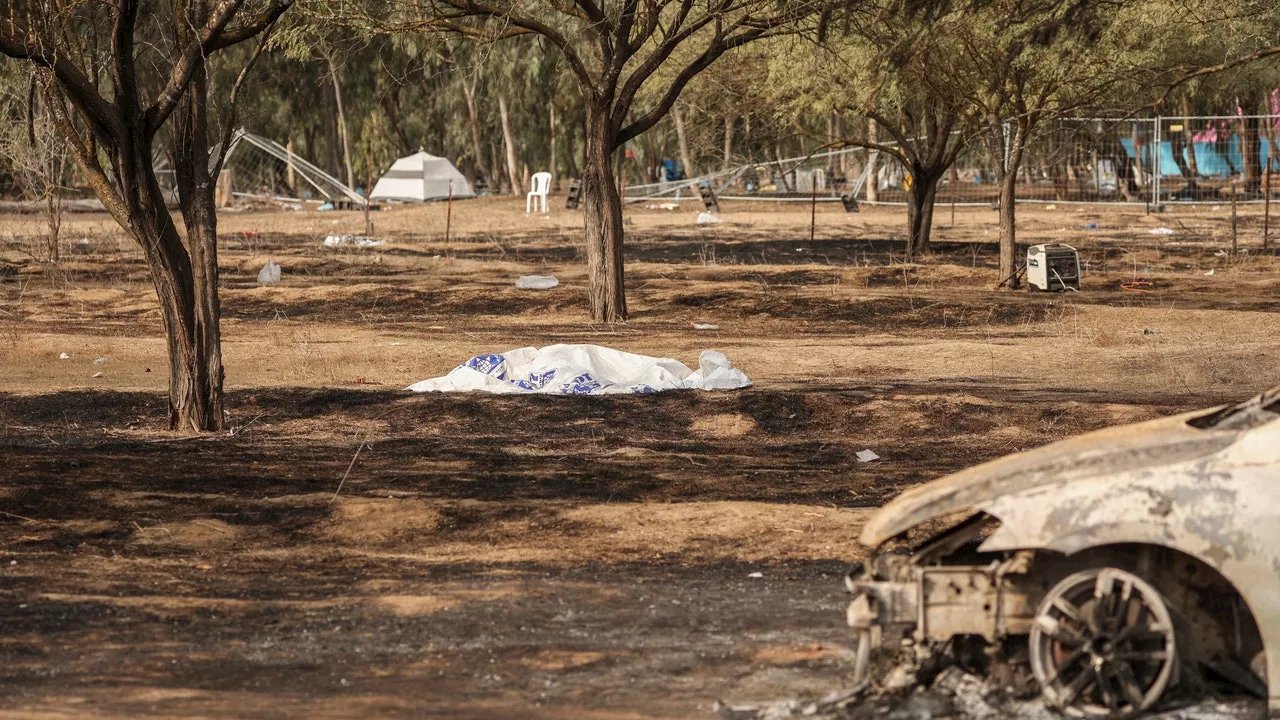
(262, 168)
(1142, 161)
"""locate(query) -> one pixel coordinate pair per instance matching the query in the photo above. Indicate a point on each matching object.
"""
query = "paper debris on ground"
(1161, 231)
(100, 361)
(706, 218)
(270, 273)
(64, 356)
(537, 282)
(1210, 272)
(96, 375)
(662, 206)
(353, 241)
(866, 456)
(585, 370)
(704, 326)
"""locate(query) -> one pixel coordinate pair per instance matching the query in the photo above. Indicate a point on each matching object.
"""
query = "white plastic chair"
(541, 186)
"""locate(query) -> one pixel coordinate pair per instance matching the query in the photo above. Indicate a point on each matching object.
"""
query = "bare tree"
(34, 155)
(115, 73)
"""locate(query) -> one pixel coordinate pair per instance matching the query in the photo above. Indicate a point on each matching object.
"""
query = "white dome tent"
(420, 177)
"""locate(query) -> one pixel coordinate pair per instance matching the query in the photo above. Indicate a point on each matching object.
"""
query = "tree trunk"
(473, 119)
(342, 124)
(570, 152)
(832, 163)
(1189, 138)
(1252, 154)
(683, 141)
(787, 185)
(391, 106)
(602, 212)
(873, 186)
(1008, 207)
(195, 352)
(920, 202)
(554, 161)
(509, 143)
(495, 167)
(728, 141)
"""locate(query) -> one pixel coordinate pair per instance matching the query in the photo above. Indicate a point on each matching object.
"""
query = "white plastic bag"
(269, 274)
(537, 282)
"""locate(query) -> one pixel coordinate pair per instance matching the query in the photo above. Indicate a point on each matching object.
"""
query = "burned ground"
(525, 557)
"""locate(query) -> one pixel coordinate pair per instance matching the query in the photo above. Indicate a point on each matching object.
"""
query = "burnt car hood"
(1102, 452)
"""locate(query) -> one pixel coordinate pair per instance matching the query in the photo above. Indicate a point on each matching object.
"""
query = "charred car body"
(1112, 566)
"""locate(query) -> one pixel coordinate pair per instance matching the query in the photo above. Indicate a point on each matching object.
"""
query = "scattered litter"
(663, 206)
(100, 361)
(249, 234)
(756, 574)
(537, 282)
(1210, 272)
(866, 456)
(1216, 208)
(585, 370)
(1220, 253)
(96, 375)
(396, 344)
(270, 273)
(706, 218)
(64, 356)
(326, 206)
(1161, 231)
(1149, 331)
(1090, 226)
(704, 326)
(1050, 207)
(1142, 286)
(354, 240)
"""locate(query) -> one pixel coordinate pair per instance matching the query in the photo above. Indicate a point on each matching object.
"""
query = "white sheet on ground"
(585, 370)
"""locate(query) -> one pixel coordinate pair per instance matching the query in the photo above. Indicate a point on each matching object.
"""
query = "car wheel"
(1103, 644)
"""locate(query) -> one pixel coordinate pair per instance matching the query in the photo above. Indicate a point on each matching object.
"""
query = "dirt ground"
(350, 548)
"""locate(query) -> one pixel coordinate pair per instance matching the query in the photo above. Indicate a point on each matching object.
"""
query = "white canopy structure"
(421, 177)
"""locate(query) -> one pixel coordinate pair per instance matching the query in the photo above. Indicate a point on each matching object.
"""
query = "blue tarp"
(1209, 162)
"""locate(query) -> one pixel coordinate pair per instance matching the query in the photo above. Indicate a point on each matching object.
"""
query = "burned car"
(1106, 570)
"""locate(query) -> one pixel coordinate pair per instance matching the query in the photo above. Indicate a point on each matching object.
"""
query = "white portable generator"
(1053, 267)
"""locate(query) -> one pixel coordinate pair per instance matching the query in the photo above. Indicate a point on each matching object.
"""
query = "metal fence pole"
(1155, 165)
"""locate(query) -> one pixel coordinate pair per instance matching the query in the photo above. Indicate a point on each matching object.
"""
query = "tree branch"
(192, 55)
(228, 127)
(257, 24)
(102, 116)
